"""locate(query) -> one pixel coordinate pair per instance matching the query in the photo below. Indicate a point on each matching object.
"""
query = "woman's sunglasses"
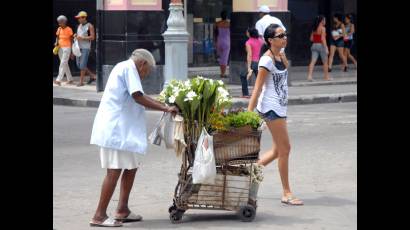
(281, 36)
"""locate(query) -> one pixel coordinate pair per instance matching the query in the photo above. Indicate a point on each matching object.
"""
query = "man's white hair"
(143, 54)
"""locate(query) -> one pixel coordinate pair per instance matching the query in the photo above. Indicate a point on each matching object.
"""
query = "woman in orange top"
(64, 40)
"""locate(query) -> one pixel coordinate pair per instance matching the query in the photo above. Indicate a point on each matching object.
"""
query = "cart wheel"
(176, 216)
(172, 208)
(247, 213)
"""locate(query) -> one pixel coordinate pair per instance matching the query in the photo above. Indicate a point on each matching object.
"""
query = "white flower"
(223, 92)
(175, 91)
(171, 99)
(187, 84)
(220, 82)
(190, 96)
(162, 94)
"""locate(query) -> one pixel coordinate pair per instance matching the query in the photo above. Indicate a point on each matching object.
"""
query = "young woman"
(349, 39)
(253, 46)
(336, 42)
(270, 97)
(223, 42)
(319, 46)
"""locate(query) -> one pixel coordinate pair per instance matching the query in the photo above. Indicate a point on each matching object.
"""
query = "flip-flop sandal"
(109, 222)
(291, 201)
(132, 217)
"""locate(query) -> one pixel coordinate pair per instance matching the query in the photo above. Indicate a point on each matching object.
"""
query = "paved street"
(323, 169)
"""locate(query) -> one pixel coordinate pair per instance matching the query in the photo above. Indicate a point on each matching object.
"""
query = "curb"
(309, 99)
(76, 102)
(237, 102)
(353, 82)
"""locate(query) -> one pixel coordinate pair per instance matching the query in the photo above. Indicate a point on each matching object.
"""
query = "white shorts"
(117, 159)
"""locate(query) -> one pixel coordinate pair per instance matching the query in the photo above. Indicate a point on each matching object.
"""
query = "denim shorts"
(339, 43)
(270, 115)
(83, 59)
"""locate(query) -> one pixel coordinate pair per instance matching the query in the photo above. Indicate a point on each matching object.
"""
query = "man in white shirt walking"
(265, 20)
(120, 131)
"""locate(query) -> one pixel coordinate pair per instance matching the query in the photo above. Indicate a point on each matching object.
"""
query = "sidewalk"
(341, 89)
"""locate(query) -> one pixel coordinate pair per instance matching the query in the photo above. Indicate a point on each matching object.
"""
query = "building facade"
(124, 25)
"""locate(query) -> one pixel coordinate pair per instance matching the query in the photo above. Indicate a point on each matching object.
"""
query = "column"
(176, 44)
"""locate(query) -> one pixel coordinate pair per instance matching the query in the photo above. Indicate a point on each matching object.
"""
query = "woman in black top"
(336, 41)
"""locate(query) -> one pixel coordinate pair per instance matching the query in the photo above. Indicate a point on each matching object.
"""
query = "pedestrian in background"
(85, 34)
(253, 46)
(64, 41)
(223, 42)
(265, 20)
(348, 40)
(319, 46)
(119, 130)
(336, 41)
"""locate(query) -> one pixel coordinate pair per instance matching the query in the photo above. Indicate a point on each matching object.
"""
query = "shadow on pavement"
(328, 201)
(210, 221)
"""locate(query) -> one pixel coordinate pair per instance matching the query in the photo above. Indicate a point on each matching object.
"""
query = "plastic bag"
(76, 48)
(204, 170)
(154, 137)
(166, 132)
(179, 140)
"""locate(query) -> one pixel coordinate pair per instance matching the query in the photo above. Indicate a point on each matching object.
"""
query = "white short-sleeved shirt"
(265, 21)
(274, 95)
(120, 121)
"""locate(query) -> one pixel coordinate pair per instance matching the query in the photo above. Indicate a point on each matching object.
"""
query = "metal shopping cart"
(235, 151)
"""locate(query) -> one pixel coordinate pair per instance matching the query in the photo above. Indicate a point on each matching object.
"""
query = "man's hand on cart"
(173, 110)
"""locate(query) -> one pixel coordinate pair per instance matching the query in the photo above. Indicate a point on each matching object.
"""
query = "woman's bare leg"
(331, 55)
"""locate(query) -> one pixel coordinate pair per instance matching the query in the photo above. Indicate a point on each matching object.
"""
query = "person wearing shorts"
(348, 40)
(85, 34)
(319, 47)
(336, 41)
(270, 98)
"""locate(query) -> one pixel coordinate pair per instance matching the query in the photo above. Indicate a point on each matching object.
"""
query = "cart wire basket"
(235, 152)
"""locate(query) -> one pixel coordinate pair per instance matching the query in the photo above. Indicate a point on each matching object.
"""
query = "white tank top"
(82, 30)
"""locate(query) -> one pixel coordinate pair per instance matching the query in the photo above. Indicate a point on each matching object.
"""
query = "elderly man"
(120, 131)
